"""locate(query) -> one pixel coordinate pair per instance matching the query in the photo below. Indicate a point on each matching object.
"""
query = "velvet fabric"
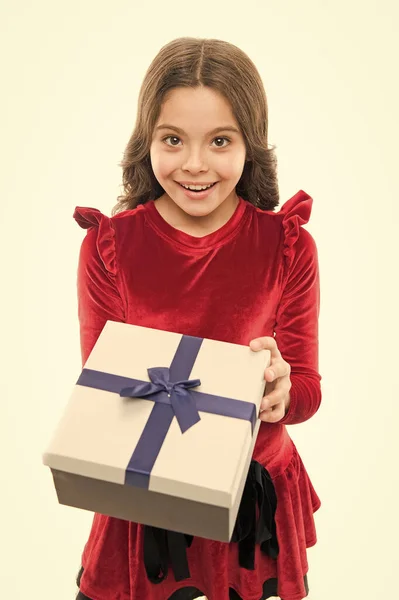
(255, 524)
(257, 275)
(191, 593)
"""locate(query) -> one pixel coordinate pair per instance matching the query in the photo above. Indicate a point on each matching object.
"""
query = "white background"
(70, 77)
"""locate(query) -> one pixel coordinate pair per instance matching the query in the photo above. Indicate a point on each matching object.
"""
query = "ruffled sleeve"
(98, 284)
(297, 316)
(295, 212)
(92, 218)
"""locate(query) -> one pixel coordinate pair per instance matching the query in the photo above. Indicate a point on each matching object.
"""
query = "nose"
(194, 162)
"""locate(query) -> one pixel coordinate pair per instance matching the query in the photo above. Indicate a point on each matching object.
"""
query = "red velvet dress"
(257, 275)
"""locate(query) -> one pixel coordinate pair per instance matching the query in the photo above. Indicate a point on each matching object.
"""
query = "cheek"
(163, 164)
(232, 167)
(232, 163)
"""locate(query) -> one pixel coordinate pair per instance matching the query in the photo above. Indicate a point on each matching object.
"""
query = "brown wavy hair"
(193, 62)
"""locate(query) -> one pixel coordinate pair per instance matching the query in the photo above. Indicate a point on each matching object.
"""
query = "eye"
(174, 137)
(222, 138)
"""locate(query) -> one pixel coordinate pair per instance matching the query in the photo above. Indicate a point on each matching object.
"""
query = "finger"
(272, 415)
(265, 343)
(278, 368)
(272, 400)
(275, 397)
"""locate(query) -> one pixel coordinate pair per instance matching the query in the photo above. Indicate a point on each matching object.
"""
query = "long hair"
(223, 67)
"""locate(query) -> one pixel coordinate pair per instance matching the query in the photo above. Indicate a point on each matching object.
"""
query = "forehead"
(196, 110)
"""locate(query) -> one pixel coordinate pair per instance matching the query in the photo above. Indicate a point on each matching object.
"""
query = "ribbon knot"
(161, 389)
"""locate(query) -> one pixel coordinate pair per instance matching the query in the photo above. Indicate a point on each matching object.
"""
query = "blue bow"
(175, 393)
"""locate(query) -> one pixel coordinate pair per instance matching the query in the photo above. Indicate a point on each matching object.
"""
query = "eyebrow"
(216, 130)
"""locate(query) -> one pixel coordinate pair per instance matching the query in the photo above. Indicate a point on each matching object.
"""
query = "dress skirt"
(255, 524)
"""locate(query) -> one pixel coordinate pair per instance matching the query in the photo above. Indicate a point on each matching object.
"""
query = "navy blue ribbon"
(177, 394)
(173, 395)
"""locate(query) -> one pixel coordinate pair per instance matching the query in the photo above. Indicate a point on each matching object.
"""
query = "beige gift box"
(128, 458)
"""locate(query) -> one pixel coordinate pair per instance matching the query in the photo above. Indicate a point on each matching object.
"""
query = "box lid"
(99, 430)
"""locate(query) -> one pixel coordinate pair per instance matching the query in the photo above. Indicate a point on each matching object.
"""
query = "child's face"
(195, 154)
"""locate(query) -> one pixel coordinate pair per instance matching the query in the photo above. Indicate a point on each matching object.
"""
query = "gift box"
(160, 429)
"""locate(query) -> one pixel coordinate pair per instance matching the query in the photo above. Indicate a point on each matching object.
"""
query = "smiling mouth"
(203, 190)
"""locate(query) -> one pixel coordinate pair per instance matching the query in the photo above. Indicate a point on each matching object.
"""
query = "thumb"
(256, 344)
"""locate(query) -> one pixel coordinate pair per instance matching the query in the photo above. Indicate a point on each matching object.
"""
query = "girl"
(217, 263)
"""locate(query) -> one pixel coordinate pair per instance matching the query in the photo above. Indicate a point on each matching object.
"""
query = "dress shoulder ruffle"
(89, 218)
(295, 213)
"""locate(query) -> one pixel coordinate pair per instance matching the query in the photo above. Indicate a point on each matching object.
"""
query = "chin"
(200, 208)
(203, 210)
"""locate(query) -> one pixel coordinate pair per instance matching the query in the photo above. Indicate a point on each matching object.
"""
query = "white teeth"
(196, 187)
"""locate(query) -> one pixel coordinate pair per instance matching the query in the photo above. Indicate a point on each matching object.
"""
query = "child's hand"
(278, 383)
